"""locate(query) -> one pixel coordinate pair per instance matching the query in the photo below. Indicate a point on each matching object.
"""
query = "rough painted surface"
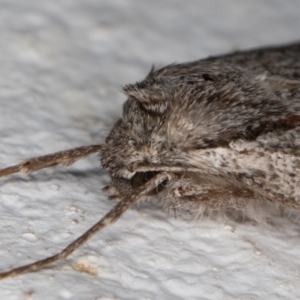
(62, 65)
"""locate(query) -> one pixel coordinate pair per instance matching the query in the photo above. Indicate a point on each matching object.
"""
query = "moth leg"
(189, 191)
(119, 188)
(115, 196)
(111, 217)
(108, 188)
(64, 158)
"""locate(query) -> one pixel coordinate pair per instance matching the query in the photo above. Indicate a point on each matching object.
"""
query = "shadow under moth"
(214, 136)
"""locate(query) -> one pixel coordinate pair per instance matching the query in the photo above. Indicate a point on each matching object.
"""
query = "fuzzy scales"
(227, 128)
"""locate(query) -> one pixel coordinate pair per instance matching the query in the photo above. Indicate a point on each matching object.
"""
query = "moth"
(214, 136)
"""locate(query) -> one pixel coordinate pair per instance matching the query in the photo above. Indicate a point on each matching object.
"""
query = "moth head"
(137, 139)
(146, 134)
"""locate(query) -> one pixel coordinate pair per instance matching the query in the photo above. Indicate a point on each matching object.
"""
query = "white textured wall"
(62, 65)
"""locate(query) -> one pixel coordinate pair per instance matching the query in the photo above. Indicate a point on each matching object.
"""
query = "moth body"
(230, 126)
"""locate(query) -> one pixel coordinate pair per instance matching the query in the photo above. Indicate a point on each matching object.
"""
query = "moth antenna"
(64, 158)
(112, 216)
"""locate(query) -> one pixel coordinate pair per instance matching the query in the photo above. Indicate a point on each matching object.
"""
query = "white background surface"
(62, 66)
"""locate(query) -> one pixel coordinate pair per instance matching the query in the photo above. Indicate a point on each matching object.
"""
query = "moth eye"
(140, 178)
